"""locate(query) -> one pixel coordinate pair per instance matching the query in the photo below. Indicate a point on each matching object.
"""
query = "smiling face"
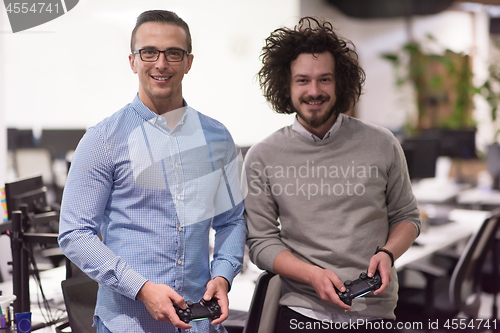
(160, 82)
(312, 91)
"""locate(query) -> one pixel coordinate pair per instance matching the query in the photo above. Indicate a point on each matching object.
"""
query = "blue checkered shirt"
(153, 194)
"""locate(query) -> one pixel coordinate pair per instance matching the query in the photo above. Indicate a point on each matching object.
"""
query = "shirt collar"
(152, 117)
(299, 128)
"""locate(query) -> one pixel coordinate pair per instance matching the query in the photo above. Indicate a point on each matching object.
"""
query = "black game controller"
(359, 287)
(198, 311)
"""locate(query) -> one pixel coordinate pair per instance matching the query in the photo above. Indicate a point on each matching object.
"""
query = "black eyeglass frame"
(184, 52)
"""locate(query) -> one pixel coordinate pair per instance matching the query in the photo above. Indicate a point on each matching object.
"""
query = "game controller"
(360, 287)
(198, 311)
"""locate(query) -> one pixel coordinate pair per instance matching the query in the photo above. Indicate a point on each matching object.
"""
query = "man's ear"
(131, 59)
(189, 64)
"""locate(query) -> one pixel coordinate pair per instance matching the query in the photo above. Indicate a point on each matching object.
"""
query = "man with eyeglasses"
(154, 178)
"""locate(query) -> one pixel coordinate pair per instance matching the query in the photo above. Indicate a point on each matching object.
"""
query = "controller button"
(347, 283)
(363, 276)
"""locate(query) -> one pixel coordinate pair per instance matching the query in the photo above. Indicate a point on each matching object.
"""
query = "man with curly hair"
(328, 197)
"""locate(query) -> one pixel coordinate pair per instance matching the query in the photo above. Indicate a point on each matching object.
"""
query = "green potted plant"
(443, 86)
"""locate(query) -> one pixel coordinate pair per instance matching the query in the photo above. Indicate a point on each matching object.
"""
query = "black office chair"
(80, 297)
(445, 297)
(265, 303)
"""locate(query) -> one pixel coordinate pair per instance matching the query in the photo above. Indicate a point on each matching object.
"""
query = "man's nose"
(162, 62)
(314, 89)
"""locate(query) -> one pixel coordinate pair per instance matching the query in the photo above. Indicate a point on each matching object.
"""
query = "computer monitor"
(19, 138)
(421, 156)
(29, 191)
(459, 144)
(60, 141)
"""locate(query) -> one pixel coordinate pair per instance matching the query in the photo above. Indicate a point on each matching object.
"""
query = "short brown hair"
(161, 16)
(312, 36)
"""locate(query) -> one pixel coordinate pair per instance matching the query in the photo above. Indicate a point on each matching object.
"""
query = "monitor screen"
(454, 143)
(30, 191)
(421, 156)
(60, 141)
(20, 138)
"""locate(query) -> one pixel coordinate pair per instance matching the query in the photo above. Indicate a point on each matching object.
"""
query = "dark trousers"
(291, 321)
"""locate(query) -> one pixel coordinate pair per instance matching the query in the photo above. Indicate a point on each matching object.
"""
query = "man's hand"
(381, 262)
(159, 299)
(323, 282)
(219, 288)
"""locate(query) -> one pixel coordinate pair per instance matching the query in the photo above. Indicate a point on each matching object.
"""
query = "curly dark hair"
(312, 36)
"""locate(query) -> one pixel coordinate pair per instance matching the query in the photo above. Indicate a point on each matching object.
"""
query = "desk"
(438, 191)
(479, 197)
(463, 224)
(51, 284)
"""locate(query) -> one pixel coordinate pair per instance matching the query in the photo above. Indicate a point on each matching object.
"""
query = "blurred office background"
(73, 71)
(61, 77)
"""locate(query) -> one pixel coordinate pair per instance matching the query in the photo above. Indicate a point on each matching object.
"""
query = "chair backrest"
(80, 296)
(264, 306)
(465, 285)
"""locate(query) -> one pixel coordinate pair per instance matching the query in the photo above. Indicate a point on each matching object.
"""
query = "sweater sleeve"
(261, 212)
(401, 203)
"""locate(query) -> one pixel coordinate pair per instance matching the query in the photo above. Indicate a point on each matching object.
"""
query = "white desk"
(464, 224)
(479, 197)
(434, 190)
(51, 284)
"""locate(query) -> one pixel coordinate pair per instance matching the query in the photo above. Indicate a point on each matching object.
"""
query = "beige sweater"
(330, 202)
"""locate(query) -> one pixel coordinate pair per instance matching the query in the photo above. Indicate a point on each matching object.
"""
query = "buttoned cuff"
(131, 284)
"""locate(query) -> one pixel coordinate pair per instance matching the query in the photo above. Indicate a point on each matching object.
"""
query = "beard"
(315, 121)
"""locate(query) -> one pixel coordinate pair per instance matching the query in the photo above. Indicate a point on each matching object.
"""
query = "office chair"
(264, 305)
(444, 297)
(80, 297)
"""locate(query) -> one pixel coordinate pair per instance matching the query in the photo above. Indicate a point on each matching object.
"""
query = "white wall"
(56, 76)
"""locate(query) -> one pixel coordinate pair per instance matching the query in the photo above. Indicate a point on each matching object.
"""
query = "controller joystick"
(198, 311)
(360, 287)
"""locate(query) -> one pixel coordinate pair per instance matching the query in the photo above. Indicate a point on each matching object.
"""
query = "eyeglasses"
(152, 55)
